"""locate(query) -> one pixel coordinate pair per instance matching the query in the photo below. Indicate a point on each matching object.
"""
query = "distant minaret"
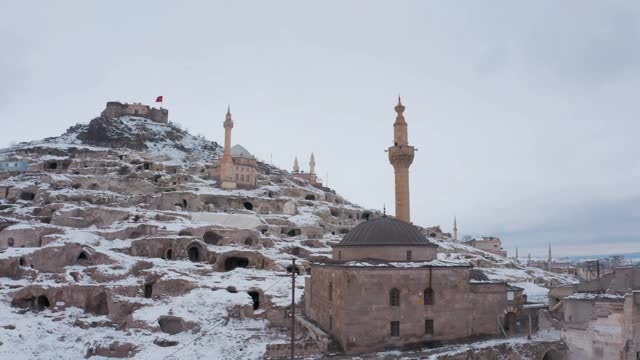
(296, 168)
(529, 259)
(226, 167)
(401, 156)
(549, 259)
(312, 165)
(516, 253)
(455, 229)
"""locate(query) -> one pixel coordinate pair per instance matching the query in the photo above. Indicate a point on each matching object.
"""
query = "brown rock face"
(115, 350)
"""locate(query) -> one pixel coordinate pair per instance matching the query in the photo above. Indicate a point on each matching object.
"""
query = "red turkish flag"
(159, 98)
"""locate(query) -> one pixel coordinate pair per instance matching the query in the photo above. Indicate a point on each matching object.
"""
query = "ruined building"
(490, 244)
(385, 286)
(601, 318)
(237, 168)
(115, 109)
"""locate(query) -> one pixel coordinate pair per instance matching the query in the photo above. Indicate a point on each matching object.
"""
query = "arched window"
(428, 296)
(394, 297)
(242, 177)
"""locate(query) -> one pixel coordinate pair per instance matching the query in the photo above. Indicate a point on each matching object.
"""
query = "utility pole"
(293, 308)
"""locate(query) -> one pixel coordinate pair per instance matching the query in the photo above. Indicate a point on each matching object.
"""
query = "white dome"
(240, 151)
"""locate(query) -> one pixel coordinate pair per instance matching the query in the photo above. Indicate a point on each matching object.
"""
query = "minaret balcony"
(401, 155)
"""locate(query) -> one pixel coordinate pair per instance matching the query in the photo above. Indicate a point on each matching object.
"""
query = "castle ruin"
(116, 109)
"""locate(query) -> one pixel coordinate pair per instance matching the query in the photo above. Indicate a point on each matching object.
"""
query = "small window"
(237, 177)
(394, 297)
(395, 328)
(428, 296)
(409, 255)
(339, 254)
(330, 291)
(428, 326)
(510, 295)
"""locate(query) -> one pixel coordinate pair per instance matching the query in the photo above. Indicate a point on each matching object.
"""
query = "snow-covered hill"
(126, 247)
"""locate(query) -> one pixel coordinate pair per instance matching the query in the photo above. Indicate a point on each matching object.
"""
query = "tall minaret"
(312, 165)
(455, 229)
(296, 168)
(549, 259)
(529, 259)
(401, 157)
(226, 167)
(517, 253)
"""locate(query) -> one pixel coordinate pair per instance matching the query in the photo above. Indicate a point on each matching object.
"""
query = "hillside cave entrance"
(194, 253)
(234, 262)
(552, 355)
(148, 290)
(211, 237)
(255, 297)
(27, 196)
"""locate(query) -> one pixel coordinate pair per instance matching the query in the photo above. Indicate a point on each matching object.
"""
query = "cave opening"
(148, 290)
(255, 298)
(194, 253)
(234, 262)
(211, 237)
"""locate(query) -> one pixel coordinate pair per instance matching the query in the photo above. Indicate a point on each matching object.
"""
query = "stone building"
(116, 109)
(237, 168)
(601, 318)
(386, 288)
(311, 176)
(489, 244)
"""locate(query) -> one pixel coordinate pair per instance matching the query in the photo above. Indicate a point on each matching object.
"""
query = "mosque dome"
(385, 231)
(240, 151)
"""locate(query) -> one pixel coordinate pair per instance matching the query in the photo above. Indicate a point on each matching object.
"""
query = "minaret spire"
(455, 229)
(226, 166)
(296, 168)
(401, 156)
(312, 165)
(550, 258)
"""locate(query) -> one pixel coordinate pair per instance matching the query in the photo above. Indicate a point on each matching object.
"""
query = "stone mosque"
(237, 169)
(386, 288)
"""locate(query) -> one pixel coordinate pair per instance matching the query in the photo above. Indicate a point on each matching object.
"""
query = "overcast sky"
(525, 114)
